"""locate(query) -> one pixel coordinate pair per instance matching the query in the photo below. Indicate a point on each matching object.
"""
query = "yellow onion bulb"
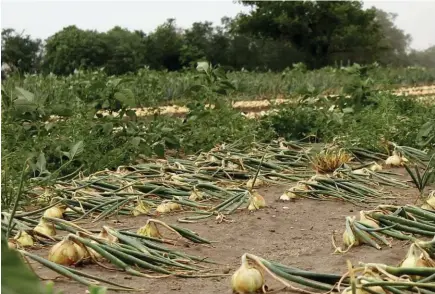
(149, 230)
(367, 221)
(106, 236)
(64, 252)
(46, 228)
(54, 212)
(246, 279)
(24, 239)
(375, 167)
(258, 183)
(431, 200)
(174, 206)
(257, 201)
(394, 160)
(196, 195)
(141, 208)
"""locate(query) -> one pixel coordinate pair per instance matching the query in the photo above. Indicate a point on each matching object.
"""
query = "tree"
(424, 58)
(197, 43)
(73, 48)
(164, 47)
(127, 50)
(20, 51)
(395, 42)
(324, 31)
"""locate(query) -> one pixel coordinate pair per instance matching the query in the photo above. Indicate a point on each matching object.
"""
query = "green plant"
(422, 180)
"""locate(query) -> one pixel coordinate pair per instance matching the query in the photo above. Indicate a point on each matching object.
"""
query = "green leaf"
(107, 128)
(135, 141)
(22, 105)
(106, 104)
(25, 94)
(97, 290)
(49, 126)
(172, 141)
(41, 163)
(126, 97)
(17, 278)
(159, 149)
(76, 149)
(131, 114)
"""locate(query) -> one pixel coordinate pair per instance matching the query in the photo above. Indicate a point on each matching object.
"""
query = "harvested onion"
(246, 279)
(24, 239)
(46, 228)
(149, 230)
(54, 212)
(65, 252)
(258, 183)
(141, 208)
(257, 201)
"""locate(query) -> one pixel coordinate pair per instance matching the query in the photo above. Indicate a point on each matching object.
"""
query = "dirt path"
(294, 233)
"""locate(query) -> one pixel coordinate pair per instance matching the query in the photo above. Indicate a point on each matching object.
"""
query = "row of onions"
(142, 253)
(219, 181)
(407, 222)
(414, 274)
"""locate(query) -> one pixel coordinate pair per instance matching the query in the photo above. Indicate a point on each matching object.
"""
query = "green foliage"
(20, 51)
(273, 36)
(80, 140)
(73, 48)
(320, 29)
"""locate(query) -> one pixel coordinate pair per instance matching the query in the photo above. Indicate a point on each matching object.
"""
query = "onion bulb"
(349, 238)
(367, 221)
(246, 279)
(163, 207)
(257, 201)
(258, 183)
(24, 239)
(196, 195)
(54, 212)
(431, 200)
(174, 206)
(141, 208)
(375, 167)
(106, 236)
(427, 206)
(414, 258)
(46, 228)
(149, 230)
(64, 252)
(361, 171)
(287, 195)
(395, 160)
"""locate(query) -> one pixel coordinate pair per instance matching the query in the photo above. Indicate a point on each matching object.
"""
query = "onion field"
(221, 182)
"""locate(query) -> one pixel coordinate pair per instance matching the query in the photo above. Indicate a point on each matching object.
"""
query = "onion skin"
(54, 212)
(65, 253)
(246, 279)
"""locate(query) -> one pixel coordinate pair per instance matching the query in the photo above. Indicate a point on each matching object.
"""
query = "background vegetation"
(310, 48)
(273, 36)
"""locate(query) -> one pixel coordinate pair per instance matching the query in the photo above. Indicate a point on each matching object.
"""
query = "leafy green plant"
(422, 180)
(426, 135)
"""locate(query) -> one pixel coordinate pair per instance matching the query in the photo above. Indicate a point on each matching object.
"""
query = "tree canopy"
(272, 36)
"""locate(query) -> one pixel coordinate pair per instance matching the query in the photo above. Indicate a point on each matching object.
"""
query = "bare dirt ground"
(294, 233)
